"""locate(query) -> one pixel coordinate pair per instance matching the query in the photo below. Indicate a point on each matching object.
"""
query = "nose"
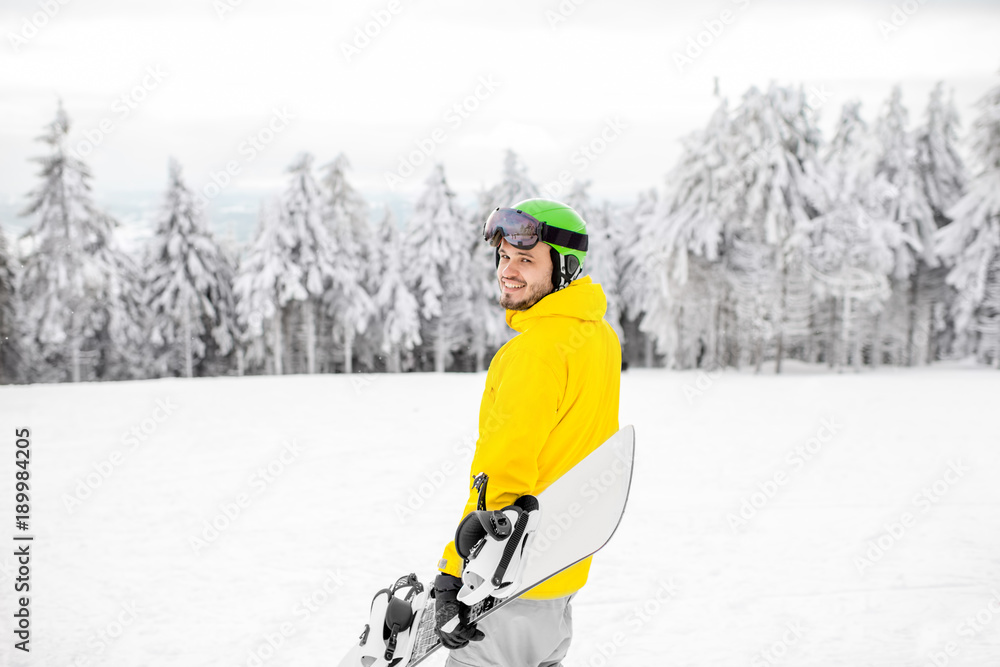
(508, 269)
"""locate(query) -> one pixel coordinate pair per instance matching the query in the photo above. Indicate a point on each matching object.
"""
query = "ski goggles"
(524, 231)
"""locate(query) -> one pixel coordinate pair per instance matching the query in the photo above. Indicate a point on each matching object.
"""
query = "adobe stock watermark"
(131, 439)
(641, 615)
(434, 480)
(562, 12)
(703, 381)
(122, 108)
(779, 649)
(968, 629)
(713, 29)
(453, 118)
(361, 381)
(555, 526)
(899, 17)
(101, 641)
(249, 149)
(585, 155)
(795, 460)
(465, 450)
(302, 610)
(32, 25)
(894, 530)
(365, 34)
(223, 7)
(230, 511)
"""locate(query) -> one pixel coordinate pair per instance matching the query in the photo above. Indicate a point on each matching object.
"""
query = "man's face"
(525, 276)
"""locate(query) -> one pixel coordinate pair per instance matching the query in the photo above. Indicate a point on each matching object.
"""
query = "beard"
(526, 298)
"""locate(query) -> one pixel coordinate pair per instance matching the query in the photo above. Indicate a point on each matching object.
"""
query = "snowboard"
(580, 512)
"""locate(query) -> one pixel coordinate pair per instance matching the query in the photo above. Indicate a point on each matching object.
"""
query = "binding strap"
(526, 504)
(398, 613)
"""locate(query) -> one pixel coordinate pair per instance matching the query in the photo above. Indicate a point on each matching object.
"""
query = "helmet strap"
(565, 269)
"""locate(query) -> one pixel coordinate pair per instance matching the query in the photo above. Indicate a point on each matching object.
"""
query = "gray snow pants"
(526, 633)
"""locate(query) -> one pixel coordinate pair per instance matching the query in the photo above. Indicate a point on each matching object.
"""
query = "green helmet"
(567, 263)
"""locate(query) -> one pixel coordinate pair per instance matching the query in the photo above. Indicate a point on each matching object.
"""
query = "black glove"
(451, 617)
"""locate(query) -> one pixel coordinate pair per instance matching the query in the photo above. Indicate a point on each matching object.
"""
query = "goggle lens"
(520, 229)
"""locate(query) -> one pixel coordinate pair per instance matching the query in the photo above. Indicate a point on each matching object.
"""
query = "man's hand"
(451, 617)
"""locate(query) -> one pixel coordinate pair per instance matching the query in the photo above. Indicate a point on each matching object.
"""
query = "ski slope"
(803, 519)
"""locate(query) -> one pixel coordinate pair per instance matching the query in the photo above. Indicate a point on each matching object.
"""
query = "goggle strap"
(564, 238)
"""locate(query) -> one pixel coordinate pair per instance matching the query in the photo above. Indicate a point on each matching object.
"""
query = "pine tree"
(266, 281)
(852, 247)
(605, 258)
(436, 247)
(971, 243)
(682, 227)
(769, 216)
(190, 287)
(288, 273)
(943, 180)
(637, 283)
(942, 172)
(731, 232)
(398, 308)
(79, 291)
(900, 198)
(311, 249)
(8, 334)
(349, 305)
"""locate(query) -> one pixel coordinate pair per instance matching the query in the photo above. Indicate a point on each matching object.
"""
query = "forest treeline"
(765, 242)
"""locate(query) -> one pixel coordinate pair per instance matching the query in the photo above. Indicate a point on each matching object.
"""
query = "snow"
(373, 475)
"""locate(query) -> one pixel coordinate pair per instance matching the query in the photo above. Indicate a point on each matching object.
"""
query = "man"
(551, 398)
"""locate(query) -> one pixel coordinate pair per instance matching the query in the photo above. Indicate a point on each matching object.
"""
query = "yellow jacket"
(551, 398)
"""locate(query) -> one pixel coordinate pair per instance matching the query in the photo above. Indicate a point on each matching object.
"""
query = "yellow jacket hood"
(582, 299)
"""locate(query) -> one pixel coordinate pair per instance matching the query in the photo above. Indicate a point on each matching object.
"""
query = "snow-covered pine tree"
(80, 294)
(484, 318)
(190, 288)
(8, 334)
(398, 308)
(605, 254)
(685, 227)
(636, 282)
(971, 243)
(314, 251)
(940, 167)
(943, 180)
(267, 280)
(770, 213)
(437, 264)
(851, 247)
(349, 307)
(900, 198)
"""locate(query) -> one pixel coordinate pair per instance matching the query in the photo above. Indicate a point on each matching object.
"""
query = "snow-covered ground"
(803, 519)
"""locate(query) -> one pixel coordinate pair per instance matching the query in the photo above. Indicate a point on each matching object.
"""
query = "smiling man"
(551, 398)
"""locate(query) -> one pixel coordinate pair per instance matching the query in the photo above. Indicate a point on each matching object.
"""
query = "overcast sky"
(200, 77)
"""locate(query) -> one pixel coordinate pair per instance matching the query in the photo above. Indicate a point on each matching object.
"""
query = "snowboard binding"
(492, 545)
(387, 640)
